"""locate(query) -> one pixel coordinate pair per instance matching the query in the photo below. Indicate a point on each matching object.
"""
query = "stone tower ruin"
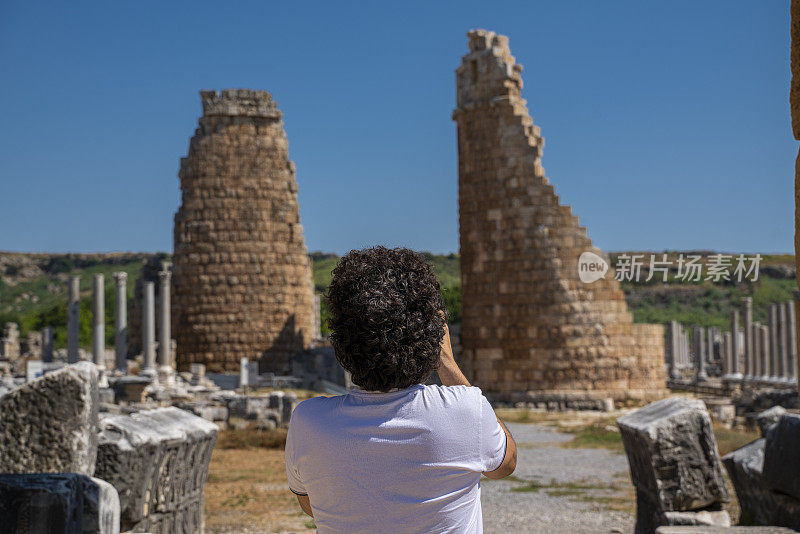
(530, 327)
(241, 274)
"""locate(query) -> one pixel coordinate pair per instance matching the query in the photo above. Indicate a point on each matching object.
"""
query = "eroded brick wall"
(529, 323)
(241, 275)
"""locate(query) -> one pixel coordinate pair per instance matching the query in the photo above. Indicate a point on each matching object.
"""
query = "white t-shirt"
(404, 461)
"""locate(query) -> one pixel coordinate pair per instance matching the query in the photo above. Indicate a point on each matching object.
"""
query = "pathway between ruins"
(559, 490)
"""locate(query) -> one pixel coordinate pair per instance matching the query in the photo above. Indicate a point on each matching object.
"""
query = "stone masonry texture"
(529, 323)
(241, 275)
(50, 424)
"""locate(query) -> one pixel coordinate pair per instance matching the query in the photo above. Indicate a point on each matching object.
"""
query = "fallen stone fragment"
(673, 455)
(67, 503)
(158, 462)
(49, 425)
(715, 518)
(768, 418)
(757, 500)
(782, 456)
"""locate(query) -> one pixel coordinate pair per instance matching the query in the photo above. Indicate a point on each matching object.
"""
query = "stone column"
(243, 373)
(727, 355)
(736, 348)
(149, 329)
(47, 344)
(792, 335)
(699, 352)
(775, 357)
(675, 349)
(783, 341)
(164, 325)
(710, 345)
(98, 321)
(686, 361)
(121, 322)
(73, 319)
(755, 334)
(765, 352)
(165, 370)
(748, 337)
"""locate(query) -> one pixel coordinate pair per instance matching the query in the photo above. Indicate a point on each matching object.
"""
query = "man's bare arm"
(451, 375)
(305, 504)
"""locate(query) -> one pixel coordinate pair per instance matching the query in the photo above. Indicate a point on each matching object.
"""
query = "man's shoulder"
(463, 396)
(317, 406)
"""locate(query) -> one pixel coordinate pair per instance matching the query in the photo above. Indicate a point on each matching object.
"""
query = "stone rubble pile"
(150, 464)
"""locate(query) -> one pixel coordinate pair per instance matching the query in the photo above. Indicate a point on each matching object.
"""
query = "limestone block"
(67, 503)
(781, 458)
(718, 518)
(757, 500)
(769, 418)
(49, 425)
(673, 456)
(158, 461)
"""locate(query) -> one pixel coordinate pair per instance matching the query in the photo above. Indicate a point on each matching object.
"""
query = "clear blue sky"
(667, 124)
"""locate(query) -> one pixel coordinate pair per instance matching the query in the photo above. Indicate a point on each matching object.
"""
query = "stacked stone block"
(241, 276)
(529, 323)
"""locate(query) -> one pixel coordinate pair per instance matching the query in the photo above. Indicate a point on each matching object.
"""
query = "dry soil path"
(559, 490)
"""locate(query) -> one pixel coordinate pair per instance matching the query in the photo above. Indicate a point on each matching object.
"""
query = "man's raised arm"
(451, 375)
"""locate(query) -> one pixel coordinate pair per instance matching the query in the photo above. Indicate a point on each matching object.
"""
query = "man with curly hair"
(395, 455)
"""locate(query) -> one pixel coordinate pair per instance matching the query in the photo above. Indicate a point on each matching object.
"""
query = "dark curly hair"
(385, 317)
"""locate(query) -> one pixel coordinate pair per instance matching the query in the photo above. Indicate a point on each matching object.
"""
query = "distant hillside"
(33, 289)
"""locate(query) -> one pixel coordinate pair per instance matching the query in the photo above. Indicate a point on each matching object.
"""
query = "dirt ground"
(246, 493)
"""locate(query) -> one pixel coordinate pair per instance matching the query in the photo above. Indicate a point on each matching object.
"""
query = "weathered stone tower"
(241, 274)
(531, 328)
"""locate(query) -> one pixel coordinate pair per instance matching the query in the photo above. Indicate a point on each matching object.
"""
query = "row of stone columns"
(120, 323)
(770, 352)
(754, 352)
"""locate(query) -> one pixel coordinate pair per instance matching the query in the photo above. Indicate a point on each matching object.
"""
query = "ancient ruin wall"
(241, 275)
(529, 323)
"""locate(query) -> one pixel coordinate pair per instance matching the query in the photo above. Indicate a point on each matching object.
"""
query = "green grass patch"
(530, 486)
(729, 440)
(595, 436)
